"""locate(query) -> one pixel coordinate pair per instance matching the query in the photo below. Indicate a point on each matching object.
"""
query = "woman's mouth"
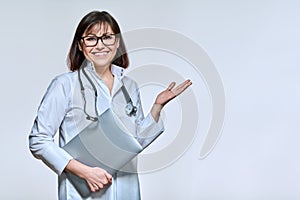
(102, 53)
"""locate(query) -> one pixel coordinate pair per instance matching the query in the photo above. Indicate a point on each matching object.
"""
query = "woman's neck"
(106, 75)
(104, 72)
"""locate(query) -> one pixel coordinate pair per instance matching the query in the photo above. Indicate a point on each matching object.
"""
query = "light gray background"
(255, 47)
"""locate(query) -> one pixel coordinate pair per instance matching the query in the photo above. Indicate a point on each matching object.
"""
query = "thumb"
(171, 86)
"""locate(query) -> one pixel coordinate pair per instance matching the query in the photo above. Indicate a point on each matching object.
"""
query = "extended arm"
(150, 127)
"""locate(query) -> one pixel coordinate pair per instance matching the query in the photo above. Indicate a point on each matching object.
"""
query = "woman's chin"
(102, 63)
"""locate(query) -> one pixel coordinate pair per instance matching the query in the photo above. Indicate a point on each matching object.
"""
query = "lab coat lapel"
(117, 86)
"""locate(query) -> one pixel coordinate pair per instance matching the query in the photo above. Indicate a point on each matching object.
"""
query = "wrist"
(155, 111)
(77, 168)
(158, 106)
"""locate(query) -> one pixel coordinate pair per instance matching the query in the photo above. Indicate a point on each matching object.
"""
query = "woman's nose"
(100, 44)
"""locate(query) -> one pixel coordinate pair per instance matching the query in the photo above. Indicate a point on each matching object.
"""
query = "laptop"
(106, 144)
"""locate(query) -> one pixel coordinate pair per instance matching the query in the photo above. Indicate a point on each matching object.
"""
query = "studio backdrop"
(234, 134)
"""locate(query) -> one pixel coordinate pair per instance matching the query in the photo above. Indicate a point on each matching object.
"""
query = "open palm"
(171, 92)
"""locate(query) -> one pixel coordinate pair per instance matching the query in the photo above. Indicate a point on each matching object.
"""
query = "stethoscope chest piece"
(130, 109)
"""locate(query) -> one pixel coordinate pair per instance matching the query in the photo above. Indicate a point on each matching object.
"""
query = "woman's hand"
(167, 95)
(171, 92)
(95, 177)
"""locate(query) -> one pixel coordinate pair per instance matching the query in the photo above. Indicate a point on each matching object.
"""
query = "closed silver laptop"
(106, 144)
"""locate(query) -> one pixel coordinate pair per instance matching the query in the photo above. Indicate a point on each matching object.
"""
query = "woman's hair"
(76, 57)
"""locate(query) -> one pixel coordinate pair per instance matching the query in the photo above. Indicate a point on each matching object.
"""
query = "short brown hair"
(76, 57)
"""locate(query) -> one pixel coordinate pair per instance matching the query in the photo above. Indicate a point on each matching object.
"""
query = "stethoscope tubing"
(130, 109)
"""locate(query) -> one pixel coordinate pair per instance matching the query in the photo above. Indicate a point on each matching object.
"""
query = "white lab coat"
(61, 110)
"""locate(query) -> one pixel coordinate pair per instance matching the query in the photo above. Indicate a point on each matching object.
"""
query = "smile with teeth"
(102, 53)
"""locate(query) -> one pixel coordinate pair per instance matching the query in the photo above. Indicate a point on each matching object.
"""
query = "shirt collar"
(115, 70)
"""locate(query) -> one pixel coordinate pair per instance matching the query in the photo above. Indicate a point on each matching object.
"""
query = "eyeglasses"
(92, 40)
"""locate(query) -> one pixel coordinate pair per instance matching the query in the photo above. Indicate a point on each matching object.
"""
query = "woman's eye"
(106, 37)
(90, 39)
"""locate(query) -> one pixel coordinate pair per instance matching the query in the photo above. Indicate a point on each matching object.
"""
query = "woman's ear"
(79, 46)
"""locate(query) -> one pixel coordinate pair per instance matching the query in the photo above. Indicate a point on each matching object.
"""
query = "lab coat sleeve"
(147, 128)
(50, 115)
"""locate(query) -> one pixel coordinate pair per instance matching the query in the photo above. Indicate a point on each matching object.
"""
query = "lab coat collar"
(115, 70)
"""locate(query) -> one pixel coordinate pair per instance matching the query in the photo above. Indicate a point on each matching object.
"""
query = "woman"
(98, 41)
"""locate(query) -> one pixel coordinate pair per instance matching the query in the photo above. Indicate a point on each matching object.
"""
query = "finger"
(180, 85)
(185, 83)
(104, 180)
(100, 186)
(183, 86)
(92, 187)
(105, 175)
(109, 177)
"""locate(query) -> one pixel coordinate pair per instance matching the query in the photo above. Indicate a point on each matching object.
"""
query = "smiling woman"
(90, 25)
(99, 55)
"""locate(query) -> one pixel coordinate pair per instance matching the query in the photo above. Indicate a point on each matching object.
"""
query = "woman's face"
(101, 55)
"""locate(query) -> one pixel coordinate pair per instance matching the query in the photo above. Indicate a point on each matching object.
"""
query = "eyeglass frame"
(98, 38)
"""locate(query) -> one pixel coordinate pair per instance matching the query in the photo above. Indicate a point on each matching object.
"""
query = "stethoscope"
(130, 109)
